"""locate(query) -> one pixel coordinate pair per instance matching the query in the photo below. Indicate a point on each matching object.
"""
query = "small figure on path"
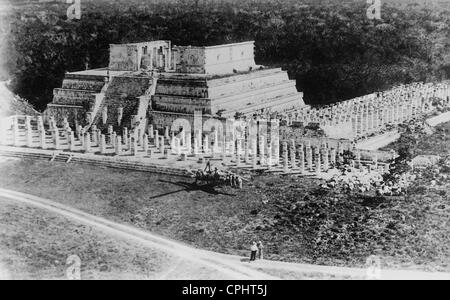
(260, 250)
(254, 251)
(239, 182)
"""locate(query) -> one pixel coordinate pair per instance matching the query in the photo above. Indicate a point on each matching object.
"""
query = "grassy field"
(295, 219)
(35, 244)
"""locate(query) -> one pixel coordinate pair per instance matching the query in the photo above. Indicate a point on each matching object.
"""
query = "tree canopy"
(330, 48)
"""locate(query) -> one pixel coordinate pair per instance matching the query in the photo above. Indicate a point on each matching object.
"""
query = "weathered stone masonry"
(155, 83)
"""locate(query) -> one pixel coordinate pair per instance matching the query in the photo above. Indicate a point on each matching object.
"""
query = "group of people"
(256, 251)
(216, 177)
(234, 180)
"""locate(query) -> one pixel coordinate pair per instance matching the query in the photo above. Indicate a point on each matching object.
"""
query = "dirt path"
(230, 265)
(231, 268)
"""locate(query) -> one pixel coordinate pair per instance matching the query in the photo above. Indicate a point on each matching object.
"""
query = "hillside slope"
(11, 104)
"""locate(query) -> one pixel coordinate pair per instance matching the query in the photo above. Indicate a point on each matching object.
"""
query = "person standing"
(253, 251)
(260, 250)
(239, 182)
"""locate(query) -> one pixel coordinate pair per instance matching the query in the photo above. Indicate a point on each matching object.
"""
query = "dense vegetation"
(330, 47)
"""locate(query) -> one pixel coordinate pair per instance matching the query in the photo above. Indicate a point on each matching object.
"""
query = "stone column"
(99, 135)
(254, 148)
(270, 157)
(216, 141)
(247, 152)
(255, 161)
(318, 161)
(87, 142)
(366, 120)
(145, 141)
(40, 122)
(140, 137)
(293, 158)
(326, 162)
(173, 144)
(134, 148)
(188, 143)
(285, 157)
(301, 157)
(29, 132)
(285, 160)
(79, 131)
(262, 154)
(118, 148)
(43, 138)
(113, 139)
(206, 144)
(151, 131)
(309, 158)
(15, 131)
(167, 133)
(275, 139)
(103, 144)
(238, 154)
(376, 119)
(333, 157)
(94, 137)
(71, 141)
(196, 146)
(162, 147)
(355, 126)
(178, 143)
(156, 139)
(57, 139)
(52, 123)
(125, 136)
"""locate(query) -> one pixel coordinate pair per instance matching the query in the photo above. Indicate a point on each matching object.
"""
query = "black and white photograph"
(239, 142)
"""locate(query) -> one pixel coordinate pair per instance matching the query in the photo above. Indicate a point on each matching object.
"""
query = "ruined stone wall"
(226, 59)
(181, 104)
(222, 59)
(75, 114)
(184, 88)
(74, 97)
(161, 120)
(134, 57)
(190, 60)
(123, 58)
(95, 84)
(245, 82)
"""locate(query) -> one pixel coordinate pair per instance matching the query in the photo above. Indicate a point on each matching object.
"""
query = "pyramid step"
(258, 93)
(247, 84)
(293, 100)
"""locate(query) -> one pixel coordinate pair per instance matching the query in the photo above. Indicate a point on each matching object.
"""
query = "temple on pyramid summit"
(157, 83)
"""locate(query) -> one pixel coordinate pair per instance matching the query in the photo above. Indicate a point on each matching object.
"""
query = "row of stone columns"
(246, 152)
(371, 113)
